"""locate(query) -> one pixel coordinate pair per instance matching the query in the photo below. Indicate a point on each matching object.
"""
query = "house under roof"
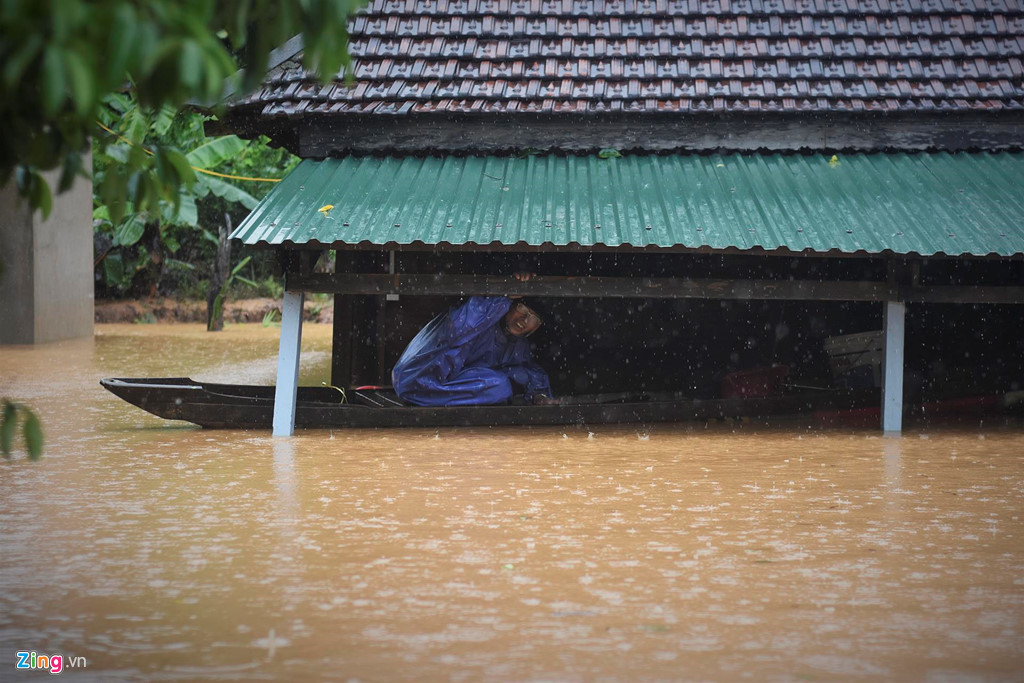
(882, 130)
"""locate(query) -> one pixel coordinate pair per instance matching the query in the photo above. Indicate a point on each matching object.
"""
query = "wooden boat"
(252, 407)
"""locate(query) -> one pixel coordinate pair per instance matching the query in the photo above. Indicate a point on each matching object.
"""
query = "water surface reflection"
(688, 552)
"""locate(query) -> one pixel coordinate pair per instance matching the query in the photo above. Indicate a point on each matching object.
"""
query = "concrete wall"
(46, 283)
(17, 293)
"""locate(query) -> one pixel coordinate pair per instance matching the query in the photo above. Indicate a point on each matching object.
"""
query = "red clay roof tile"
(451, 56)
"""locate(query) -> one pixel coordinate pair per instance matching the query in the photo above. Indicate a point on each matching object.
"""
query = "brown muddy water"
(719, 552)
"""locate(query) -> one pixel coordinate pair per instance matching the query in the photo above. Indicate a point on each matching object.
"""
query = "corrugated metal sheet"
(901, 203)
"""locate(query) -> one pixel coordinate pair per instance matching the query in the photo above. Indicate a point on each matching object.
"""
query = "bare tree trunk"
(218, 279)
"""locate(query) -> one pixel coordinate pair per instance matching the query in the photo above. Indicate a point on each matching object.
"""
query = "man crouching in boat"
(475, 354)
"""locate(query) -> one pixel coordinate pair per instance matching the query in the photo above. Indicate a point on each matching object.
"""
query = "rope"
(194, 168)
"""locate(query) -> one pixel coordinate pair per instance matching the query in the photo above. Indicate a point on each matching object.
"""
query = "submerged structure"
(704, 188)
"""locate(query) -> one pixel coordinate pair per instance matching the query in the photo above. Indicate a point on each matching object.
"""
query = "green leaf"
(609, 154)
(113, 193)
(142, 190)
(33, 435)
(15, 65)
(71, 169)
(216, 151)
(201, 190)
(190, 64)
(83, 84)
(164, 119)
(54, 80)
(218, 73)
(187, 213)
(67, 21)
(119, 152)
(184, 265)
(113, 271)
(122, 41)
(247, 281)
(137, 157)
(135, 125)
(229, 192)
(241, 264)
(181, 165)
(130, 231)
(7, 426)
(116, 105)
(40, 195)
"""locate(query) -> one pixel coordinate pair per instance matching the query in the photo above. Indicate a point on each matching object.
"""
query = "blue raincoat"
(464, 357)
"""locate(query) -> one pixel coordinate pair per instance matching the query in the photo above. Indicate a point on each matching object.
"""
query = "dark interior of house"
(708, 348)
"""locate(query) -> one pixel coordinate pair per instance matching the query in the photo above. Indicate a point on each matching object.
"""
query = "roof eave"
(332, 135)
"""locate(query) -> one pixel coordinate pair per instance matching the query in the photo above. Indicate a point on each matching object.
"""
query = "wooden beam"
(587, 133)
(963, 294)
(649, 287)
(590, 286)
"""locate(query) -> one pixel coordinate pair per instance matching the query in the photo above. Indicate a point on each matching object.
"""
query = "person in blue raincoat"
(475, 354)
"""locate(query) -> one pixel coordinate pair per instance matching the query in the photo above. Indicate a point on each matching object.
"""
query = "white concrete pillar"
(288, 364)
(46, 273)
(892, 366)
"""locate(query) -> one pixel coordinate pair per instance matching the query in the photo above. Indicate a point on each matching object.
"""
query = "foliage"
(268, 287)
(138, 244)
(31, 429)
(218, 302)
(60, 60)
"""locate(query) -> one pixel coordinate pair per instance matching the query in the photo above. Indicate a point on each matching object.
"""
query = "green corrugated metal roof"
(901, 203)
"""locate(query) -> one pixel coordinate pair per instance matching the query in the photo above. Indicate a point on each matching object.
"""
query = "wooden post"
(288, 364)
(892, 366)
(341, 347)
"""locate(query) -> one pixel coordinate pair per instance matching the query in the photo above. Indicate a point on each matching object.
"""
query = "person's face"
(521, 320)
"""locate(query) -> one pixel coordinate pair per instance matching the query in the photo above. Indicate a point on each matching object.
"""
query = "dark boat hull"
(252, 407)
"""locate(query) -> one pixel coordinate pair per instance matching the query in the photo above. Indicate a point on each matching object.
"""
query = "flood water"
(729, 551)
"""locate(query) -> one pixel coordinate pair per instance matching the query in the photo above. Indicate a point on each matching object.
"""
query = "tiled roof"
(592, 56)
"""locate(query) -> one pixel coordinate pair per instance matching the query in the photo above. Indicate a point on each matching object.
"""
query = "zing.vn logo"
(53, 663)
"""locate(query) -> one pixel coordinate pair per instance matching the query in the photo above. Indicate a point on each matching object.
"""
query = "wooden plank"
(363, 341)
(383, 368)
(658, 288)
(588, 286)
(963, 294)
(341, 342)
(500, 134)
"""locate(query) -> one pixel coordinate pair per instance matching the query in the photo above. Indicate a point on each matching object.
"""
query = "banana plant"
(218, 302)
(139, 225)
